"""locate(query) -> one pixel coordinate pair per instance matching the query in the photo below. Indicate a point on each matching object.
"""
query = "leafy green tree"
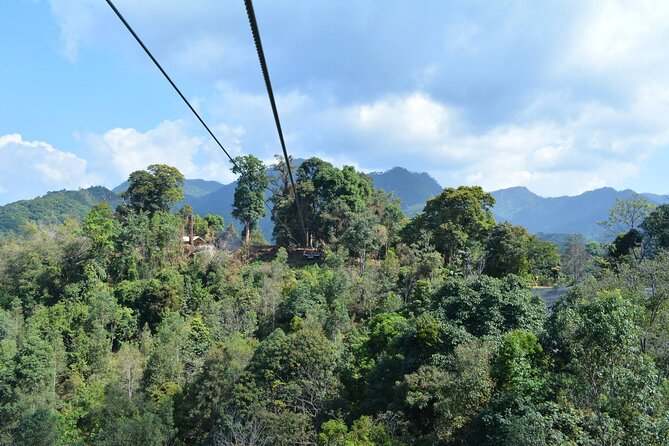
(154, 189)
(652, 280)
(627, 244)
(544, 261)
(489, 307)
(249, 204)
(329, 198)
(521, 365)
(197, 410)
(656, 227)
(101, 227)
(363, 236)
(391, 217)
(124, 422)
(160, 296)
(297, 369)
(38, 428)
(597, 339)
(302, 301)
(508, 249)
(444, 398)
(364, 432)
(333, 433)
(456, 222)
(215, 224)
(167, 362)
(627, 214)
(511, 249)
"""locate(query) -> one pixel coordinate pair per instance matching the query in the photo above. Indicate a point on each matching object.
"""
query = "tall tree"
(512, 250)
(100, 226)
(599, 340)
(576, 258)
(627, 214)
(507, 247)
(456, 222)
(329, 197)
(248, 206)
(154, 189)
(362, 236)
(656, 226)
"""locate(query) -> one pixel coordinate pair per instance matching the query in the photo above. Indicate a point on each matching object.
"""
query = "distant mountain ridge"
(413, 188)
(562, 215)
(517, 205)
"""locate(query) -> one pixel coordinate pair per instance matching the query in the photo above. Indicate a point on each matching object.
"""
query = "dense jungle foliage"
(407, 332)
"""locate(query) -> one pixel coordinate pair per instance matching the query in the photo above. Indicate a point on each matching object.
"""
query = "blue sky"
(561, 97)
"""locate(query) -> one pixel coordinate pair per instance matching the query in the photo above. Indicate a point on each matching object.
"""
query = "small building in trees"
(197, 240)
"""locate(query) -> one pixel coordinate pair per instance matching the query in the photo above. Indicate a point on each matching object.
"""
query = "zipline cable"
(265, 72)
(169, 79)
(197, 115)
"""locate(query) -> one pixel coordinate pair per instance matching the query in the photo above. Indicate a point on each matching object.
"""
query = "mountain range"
(562, 215)
(518, 205)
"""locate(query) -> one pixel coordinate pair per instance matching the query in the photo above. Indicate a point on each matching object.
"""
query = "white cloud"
(592, 144)
(121, 151)
(626, 36)
(78, 21)
(598, 146)
(197, 36)
(30, 168)
(560, 99)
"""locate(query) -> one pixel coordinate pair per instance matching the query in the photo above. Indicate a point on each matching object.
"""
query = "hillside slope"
(553, 216)
(54, 207)
(413, 188)
(566, 215)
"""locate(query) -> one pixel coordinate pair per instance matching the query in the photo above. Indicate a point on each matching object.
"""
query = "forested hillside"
(419, 331)
(54, 207)
(579, 214)
(412, 188)
(556, 219)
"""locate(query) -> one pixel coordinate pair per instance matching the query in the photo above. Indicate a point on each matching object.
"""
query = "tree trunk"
(191, 233)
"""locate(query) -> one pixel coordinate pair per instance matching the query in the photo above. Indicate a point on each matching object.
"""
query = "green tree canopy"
(656, 226)
(249, 204)
(329, 197)
(154, 189)
(101, 227)
(627, 214)
(508, 248)
(511, 249)
(456, 222)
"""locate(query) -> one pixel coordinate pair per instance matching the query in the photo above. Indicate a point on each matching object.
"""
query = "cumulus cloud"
(198, 36)
(578, 154)
(120, 151)
(593, 144)
(628, 37)
(559, 97)
(30, 168)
